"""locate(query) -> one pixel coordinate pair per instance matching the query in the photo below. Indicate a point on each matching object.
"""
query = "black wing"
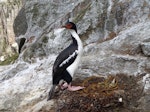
(64, 59)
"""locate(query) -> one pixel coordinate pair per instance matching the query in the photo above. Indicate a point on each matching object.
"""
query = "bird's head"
(70, 25)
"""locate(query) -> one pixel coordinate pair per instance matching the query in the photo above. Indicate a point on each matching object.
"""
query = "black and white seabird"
(67, 62)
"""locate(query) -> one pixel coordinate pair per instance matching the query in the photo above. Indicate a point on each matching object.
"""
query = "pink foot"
(74, 88)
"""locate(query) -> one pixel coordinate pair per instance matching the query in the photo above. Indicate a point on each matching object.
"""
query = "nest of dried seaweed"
(100, 94)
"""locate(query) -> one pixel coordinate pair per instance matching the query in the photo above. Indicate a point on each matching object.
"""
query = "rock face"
(115, 35)
(8, 12)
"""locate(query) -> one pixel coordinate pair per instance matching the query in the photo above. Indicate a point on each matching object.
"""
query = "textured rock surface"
(146, 47)
(8, 11)
(115, 35)
(20, 23)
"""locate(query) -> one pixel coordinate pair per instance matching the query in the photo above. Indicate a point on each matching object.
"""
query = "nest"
(100, 94)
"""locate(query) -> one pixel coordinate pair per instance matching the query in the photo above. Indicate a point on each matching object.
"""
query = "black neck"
(74, 41)
(75, 29)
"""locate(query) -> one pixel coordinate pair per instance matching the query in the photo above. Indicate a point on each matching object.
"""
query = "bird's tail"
(51, 92)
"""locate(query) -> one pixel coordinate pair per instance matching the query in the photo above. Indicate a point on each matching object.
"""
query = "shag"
(67, 62)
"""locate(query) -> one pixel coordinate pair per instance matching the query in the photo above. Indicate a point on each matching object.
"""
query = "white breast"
(72, 68)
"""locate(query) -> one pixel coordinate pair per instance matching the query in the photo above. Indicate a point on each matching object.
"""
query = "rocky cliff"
(8, 11)
(116, 38)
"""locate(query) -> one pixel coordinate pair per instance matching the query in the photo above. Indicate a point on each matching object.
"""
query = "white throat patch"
(71, 69)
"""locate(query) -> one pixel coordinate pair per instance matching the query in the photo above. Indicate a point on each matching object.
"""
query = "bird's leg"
(74, 88)
(64, 86)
